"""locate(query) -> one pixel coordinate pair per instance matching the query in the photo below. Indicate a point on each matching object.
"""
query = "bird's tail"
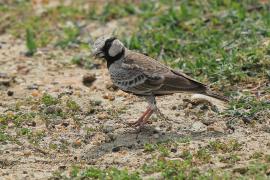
(215, 95)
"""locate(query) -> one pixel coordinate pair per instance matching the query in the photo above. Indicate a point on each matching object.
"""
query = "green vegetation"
(95, 173)
(114, 10)
(248, 108)
(73, 106)
(48, 100)
(30, 42)
(224, 147)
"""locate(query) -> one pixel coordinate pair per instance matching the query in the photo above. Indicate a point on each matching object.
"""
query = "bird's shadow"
(136, 139)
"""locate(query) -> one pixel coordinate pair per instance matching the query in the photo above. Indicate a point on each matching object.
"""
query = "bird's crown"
(107, 46)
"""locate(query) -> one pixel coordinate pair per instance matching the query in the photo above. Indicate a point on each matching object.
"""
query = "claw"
(143, 119)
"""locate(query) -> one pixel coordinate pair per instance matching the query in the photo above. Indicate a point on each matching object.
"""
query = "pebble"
(102, 116)
(5, 80)
(110, 86)
(174, 107)
(35, 94)
(10, 93)
(215, 128)
(198, 127)
(32, 123)
(241, 170)
(215, 104)
(65, 124)
(27, 153)
(77, 143)
(208, 121)
(52, 109)
(88, 79)
(109, 97)
(116, 149)
(173, 150)
(32, 87)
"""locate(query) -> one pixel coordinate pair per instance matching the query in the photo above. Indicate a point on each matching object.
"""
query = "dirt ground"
(98, 134)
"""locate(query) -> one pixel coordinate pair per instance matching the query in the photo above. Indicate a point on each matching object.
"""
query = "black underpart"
(105, 49)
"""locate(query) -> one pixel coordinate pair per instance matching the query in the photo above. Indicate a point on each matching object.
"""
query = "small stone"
(116, 149)
(268, 172)
(35, 94)
(241, 170)
(63, 167)
(215, 128)
(109, 97)
(111, 86)
(32, 87)
(174, 107)
(198, 127)
(53, 109)
(208, 121)
(88, 79)
(77, 143)
(157, 129)
(102, 116)
(10, 93)
(215, 104)
(65, 124)
(32, 123)
(5, 80)
(27, 153)
(174, 150)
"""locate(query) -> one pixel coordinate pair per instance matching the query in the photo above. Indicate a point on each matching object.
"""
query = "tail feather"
(216, 95)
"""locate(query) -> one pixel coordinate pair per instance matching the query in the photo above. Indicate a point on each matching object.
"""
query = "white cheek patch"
(115, 48)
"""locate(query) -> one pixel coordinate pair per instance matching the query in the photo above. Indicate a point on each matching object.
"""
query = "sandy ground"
(102, 138)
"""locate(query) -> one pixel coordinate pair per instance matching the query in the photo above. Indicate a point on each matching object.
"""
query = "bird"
(143, 76)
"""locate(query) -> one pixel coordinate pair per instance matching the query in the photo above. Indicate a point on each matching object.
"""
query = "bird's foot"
(137, 123)
(143, 119)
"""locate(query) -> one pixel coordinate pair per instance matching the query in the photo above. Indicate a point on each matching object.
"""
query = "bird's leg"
(146, 115)
(152, 107)
(146, 118)
(140, 120)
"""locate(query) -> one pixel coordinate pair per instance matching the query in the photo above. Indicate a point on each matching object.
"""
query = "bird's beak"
(93, 54)
(97, 54)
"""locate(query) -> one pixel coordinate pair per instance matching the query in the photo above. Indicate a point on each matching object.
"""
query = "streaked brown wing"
(160, 79)
(178, 82)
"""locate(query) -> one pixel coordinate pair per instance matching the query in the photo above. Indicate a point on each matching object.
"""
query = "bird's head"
(109, 48)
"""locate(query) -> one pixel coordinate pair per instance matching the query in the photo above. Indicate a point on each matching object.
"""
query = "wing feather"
(159, 79)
